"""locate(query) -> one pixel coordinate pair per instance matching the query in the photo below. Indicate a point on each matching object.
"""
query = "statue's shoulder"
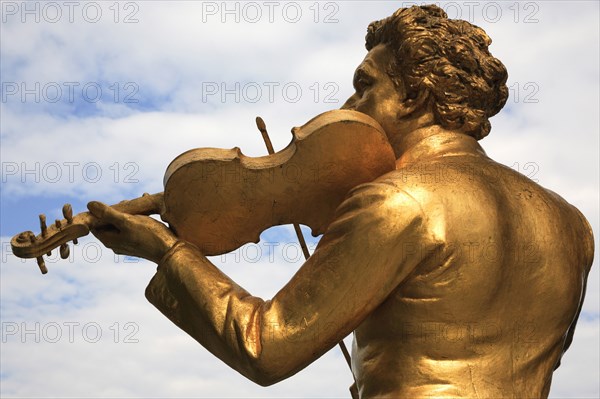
(581, 228)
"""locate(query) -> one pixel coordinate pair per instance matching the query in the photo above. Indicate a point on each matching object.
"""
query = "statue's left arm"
(378, 237)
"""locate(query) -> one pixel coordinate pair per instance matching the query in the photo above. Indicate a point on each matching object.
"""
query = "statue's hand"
(132, 235)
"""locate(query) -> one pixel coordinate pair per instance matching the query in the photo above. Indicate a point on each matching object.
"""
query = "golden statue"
(458, 276)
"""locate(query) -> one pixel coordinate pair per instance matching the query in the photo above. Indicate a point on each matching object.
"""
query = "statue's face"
(375, 93)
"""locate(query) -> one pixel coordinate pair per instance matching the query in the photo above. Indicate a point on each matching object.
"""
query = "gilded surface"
(458, 276)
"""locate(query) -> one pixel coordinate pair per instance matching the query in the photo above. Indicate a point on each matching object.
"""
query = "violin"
(220, 199)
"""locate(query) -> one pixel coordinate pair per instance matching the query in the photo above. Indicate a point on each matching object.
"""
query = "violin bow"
(262, 127)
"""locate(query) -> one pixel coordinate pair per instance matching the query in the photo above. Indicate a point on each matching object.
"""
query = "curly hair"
(449, 59)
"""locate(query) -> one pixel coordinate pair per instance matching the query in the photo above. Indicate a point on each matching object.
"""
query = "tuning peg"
(40, 259)
(58, 224)
(42, 265)
(64, 251)
(67, 211)
(43, 225)
(75, 241)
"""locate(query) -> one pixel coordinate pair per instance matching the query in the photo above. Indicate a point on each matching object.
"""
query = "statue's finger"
(110, 238)
(96, 208)
(107, 214)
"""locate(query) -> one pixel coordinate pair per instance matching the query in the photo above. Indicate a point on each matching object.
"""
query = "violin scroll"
(28, 245)
(59, 234)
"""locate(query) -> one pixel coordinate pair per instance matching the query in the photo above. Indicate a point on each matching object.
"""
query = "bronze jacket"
(459, 277)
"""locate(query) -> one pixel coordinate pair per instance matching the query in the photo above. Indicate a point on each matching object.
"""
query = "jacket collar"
(441, 144)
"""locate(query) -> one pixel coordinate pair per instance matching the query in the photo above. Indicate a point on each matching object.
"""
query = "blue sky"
(112, 98)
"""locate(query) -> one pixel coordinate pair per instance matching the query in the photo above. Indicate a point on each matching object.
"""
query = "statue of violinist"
(458, 276)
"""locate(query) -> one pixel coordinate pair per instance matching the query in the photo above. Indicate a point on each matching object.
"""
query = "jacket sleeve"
(364, 255)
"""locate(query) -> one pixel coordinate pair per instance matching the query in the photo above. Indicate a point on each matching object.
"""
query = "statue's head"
(444, 64)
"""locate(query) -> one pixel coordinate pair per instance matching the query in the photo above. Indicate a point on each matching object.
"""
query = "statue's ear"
(411, 105)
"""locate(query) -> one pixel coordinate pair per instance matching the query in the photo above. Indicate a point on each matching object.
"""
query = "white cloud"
(173, 57)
